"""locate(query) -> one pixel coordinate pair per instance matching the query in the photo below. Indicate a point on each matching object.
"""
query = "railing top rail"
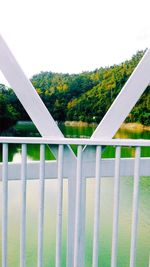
(75, 141)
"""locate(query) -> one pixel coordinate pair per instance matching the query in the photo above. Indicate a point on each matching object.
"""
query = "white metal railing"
(88, 163)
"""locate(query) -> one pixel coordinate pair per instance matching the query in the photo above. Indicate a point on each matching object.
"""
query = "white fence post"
(97, 208)
(135, 208)
(116, 208)
(59, 207)
(41, 206)
(78, 215)
(23, 207)
(4, 205)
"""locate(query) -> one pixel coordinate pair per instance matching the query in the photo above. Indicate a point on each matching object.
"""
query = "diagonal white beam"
(126, 100)
(26, 93)
(44, 122)
(39, 114)
(46, 125)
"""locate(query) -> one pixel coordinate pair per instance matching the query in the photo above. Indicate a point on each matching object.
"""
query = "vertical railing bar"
(4, 204)
(23, 206)
(83, 221)
(71, 217)
(59, 207)
(135, 207)
(116, 208)
(97, 207)
(41, 205)
(78, 203)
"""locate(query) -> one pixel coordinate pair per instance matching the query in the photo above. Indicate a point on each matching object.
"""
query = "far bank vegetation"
(82, 97)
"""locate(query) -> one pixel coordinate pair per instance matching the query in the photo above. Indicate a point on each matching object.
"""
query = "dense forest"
(78, 97)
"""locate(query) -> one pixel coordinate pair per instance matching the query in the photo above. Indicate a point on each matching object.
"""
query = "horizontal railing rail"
(88, 163)
(107, 165)
(75, 141)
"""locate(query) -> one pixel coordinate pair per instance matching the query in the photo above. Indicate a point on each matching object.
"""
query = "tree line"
(78, 97)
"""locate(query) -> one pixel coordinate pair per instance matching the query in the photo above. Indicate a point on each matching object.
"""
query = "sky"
(72, 36)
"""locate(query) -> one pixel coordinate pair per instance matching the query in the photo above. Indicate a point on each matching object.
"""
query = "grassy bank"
(128, 126)
(135, 126)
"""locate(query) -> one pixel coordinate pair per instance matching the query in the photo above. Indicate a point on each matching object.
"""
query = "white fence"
(88, 163)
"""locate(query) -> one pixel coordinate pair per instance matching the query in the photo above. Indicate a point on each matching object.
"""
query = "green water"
(28, 129)
(126, 190)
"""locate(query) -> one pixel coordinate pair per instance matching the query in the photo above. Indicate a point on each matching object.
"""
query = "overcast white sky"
(74, 35)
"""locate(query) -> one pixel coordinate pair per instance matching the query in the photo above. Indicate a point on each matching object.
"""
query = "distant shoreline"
(132, 126)
(135, 126)
(79, 123)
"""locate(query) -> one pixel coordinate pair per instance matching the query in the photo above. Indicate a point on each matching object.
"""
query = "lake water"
(28, 129)
(126, 190)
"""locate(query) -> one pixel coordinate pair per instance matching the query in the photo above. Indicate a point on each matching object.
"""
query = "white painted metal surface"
(97, 208)
(59, 207)
(5, 205)
(116, 208)
(39, 114)
(30, 100)
(74, 141)
(60, 169)
(23, 207)
(71, 213)
(135, 208)
(48, 128)
(126, 169)
(26, 93)
(78, 215)
(41, 206)
(126, 100)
